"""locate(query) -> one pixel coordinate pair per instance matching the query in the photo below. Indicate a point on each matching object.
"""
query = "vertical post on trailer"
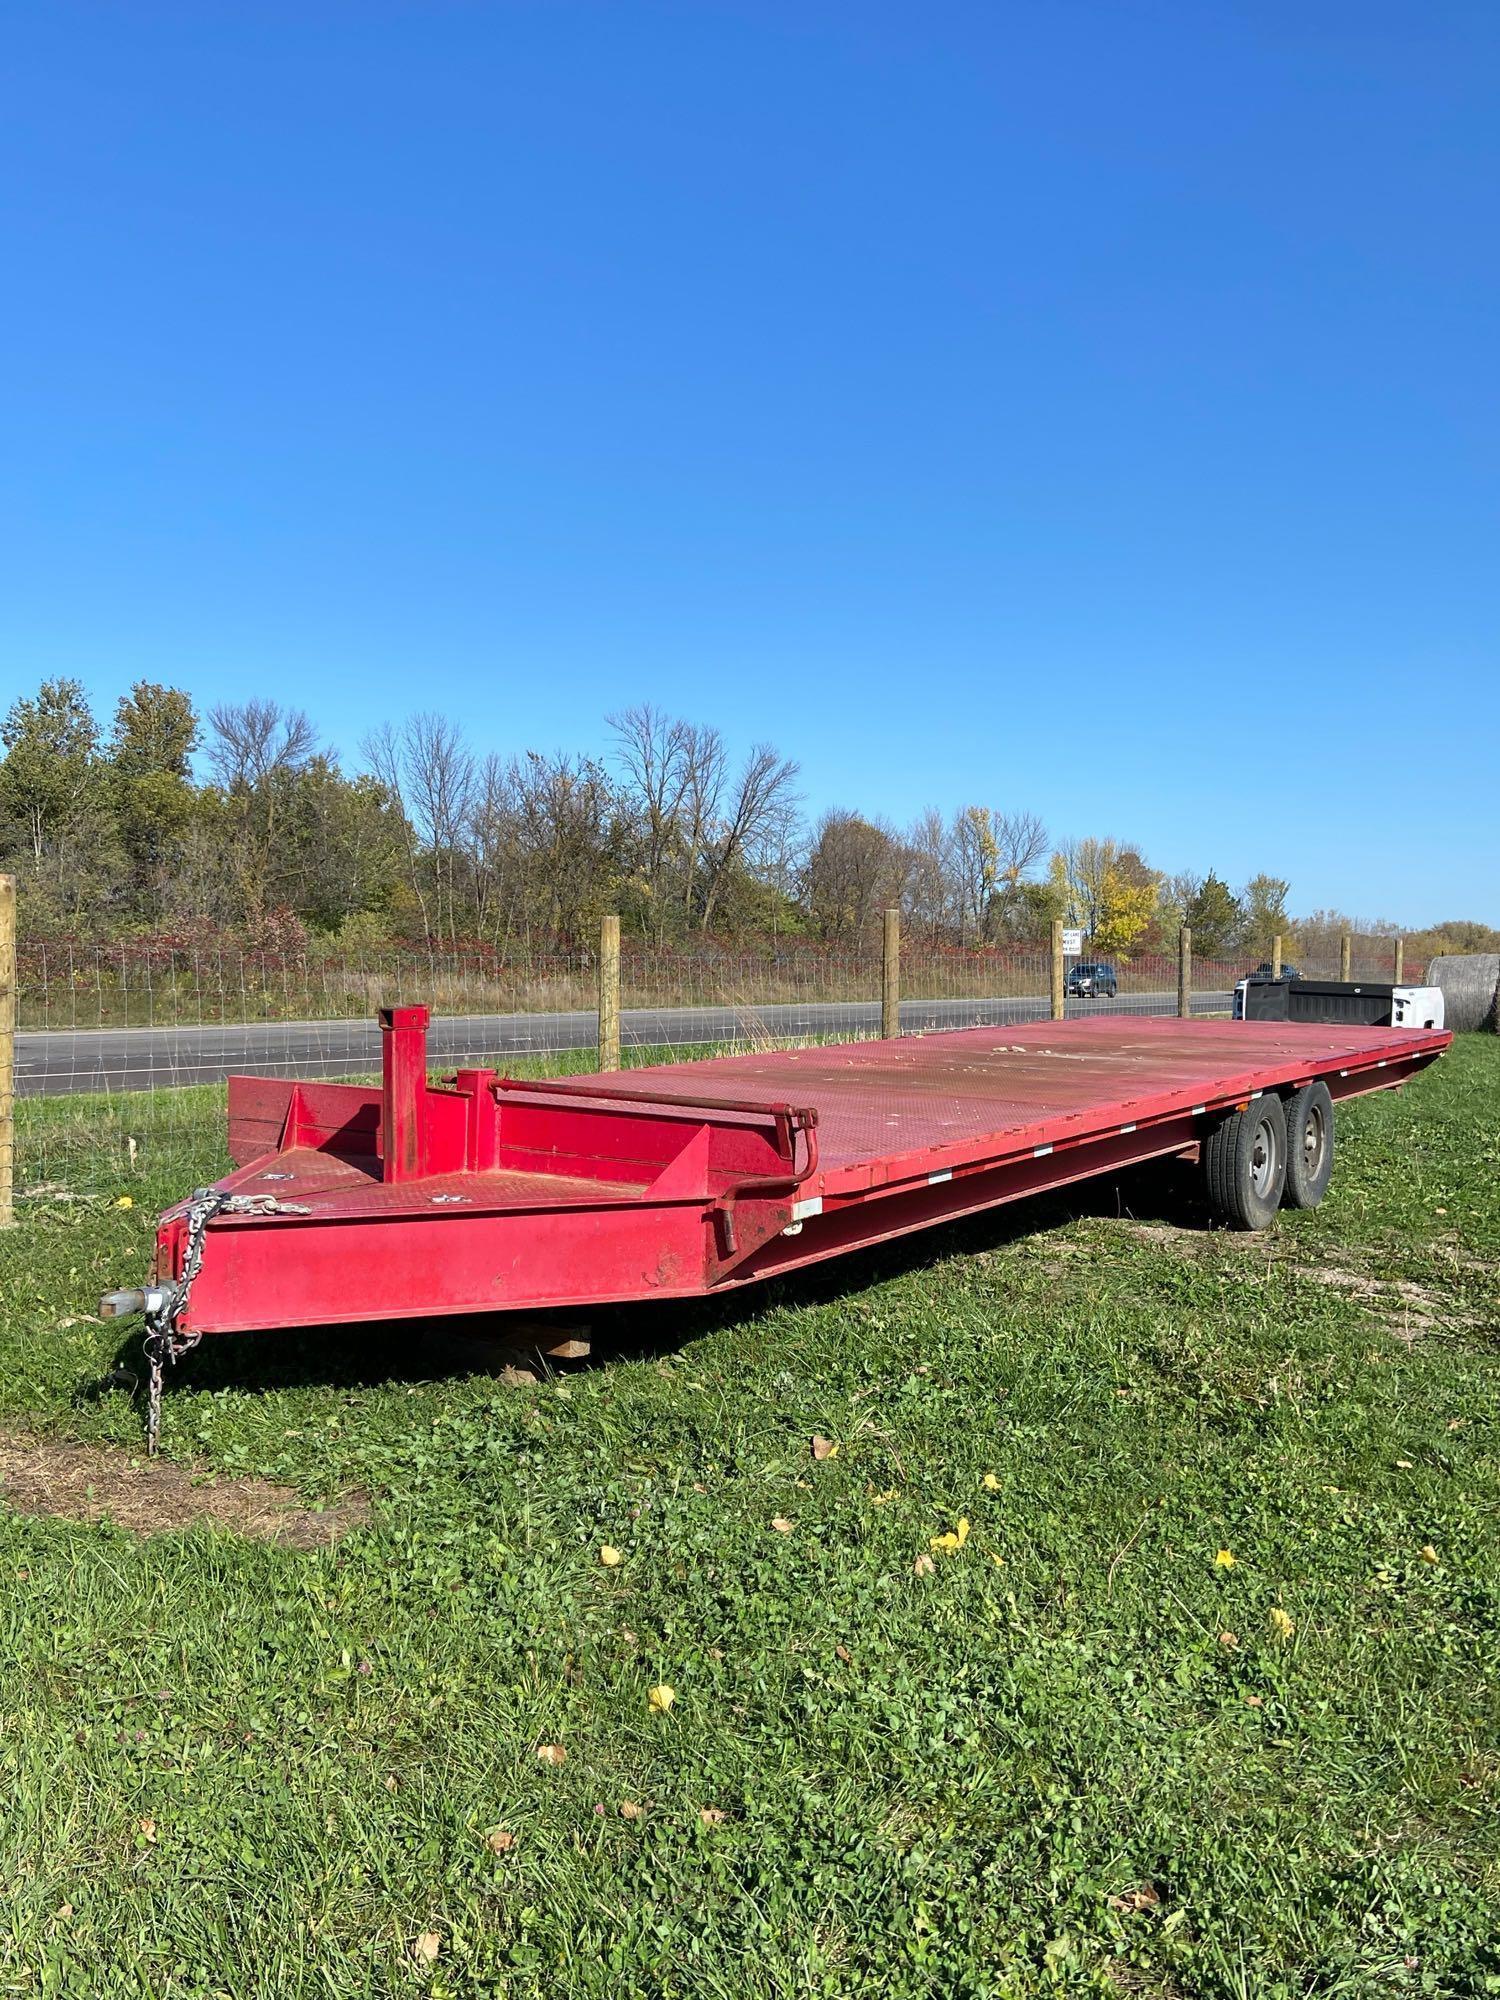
(1184, 972)
(1399, 968)
(609, 993)
(1059, 1006)
(403, 1094)
(1345, 943)
(890, 977)
(1276, 956)
(7, 1050)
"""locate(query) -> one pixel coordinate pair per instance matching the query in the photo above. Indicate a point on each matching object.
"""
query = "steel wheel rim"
(1314, 1137)
(1263, 1160)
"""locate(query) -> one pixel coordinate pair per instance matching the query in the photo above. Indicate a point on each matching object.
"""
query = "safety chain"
(164, 1340)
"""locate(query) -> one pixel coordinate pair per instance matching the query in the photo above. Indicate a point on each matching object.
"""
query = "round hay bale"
(1471, 990)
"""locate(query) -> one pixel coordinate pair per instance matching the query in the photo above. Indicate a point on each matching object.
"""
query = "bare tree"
(762, 801)
(703, 791)
(383, 752)
(255, 742)
(1020, 841)
(656, 754)
(929, 876)
(569, 838)
(258, 749)
(439, 771)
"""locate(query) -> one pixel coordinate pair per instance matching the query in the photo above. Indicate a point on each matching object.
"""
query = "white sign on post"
(1072, 943)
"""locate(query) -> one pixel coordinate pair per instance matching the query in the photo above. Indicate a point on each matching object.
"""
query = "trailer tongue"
(484, 1193)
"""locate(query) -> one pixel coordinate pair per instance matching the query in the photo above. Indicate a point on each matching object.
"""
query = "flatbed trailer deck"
(487, 1194)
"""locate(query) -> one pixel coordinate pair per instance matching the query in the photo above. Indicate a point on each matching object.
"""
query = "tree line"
(241, 821)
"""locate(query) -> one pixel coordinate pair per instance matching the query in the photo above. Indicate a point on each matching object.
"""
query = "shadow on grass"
(371, 1354)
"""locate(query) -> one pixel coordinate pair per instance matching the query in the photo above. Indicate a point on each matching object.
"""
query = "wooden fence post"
(890, 977)
(1059, 1006)
(1276, 957)
(1184, 972)
(1400, 965)
(1345, 948)
(609, 993)
(7, 1050)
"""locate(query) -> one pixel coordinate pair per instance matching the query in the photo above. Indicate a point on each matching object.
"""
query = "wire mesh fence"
(122, 1051)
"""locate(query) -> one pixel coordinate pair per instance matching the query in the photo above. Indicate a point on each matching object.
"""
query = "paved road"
(52, 1063)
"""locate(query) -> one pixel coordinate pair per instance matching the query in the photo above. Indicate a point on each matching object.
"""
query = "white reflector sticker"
(945, 1175)
(1040, 1152)
(802, 1209)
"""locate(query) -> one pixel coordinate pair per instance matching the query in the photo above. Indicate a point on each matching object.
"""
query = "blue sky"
(1087, 407)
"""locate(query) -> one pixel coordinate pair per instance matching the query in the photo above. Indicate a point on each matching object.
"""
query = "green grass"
(932, 1784)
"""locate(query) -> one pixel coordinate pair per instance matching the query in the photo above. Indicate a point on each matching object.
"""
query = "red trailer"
(486, 1194)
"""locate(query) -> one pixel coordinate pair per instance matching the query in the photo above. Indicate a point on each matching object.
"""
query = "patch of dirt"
(152, 1496)
(1410, 1310)
(1173, 1235)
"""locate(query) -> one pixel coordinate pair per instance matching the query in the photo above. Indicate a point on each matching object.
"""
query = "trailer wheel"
(1309, 1145)
(1244, 1164)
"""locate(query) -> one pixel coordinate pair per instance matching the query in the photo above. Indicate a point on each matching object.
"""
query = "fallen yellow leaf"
(1224, 1560)
(125, 1201)
(147, 1828)
(611, 1558)
(660, 1698)
(991, 1483)
(630, 1810)
(499, 1840)
(551, 1753)
(823, 1447)
(1281, 1623)
(954, 1539)
(923, 1565)
(782, 1525)
(427, 1947)
(1429, 1553)
(711, 1815)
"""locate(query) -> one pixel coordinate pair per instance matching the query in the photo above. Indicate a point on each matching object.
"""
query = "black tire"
(1244, 1164)
(1309, 1145)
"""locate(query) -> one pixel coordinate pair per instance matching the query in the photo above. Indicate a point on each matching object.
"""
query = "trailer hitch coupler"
(121, 1305)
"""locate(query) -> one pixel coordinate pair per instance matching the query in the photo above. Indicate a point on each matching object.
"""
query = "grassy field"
(1204, 1701)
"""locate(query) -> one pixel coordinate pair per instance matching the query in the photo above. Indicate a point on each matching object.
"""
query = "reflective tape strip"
(1126, 1128)
(945, 1175)
(812, 1206)
(1040, 1152)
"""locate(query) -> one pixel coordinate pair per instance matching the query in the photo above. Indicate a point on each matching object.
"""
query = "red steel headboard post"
(403, 1105)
